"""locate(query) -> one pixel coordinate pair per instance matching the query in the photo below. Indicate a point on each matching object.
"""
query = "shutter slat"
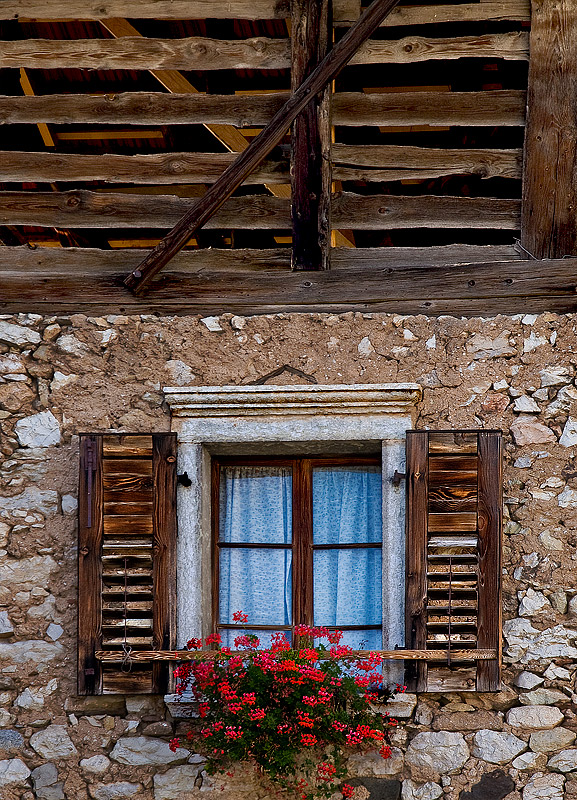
(129, 589)
(453, 554)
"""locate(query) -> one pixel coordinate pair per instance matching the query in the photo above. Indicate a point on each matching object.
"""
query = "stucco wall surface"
(61, 376)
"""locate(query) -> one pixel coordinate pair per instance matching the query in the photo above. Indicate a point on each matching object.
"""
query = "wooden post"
(549, 221)
(311, 139)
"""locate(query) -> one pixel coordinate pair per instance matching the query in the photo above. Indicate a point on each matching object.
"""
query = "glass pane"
(256, 505)
(363, 640)
(265, 637)
(347, 505)
(258, 583)
(347, 587)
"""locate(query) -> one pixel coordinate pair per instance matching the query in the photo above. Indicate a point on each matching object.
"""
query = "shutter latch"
(398, 477)
(183, 479)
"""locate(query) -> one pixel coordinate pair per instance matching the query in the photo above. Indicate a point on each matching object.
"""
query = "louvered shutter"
(454, 530)
(126, 559)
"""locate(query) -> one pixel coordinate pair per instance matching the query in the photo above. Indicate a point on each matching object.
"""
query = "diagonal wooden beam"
(260, 147)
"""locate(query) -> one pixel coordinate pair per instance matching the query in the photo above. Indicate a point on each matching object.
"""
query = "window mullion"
(302, 542)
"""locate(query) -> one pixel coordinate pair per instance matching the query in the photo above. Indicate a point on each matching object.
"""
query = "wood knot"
(73, 200)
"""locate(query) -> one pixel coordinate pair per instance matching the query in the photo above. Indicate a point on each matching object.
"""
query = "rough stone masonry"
(63, 375)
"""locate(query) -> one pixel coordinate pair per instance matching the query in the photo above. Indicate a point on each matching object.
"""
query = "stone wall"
(62, 376)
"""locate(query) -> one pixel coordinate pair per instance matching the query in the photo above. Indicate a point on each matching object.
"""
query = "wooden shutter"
(454, 529)
(126, 558)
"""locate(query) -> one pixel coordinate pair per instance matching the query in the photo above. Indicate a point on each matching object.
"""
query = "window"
(298, 541)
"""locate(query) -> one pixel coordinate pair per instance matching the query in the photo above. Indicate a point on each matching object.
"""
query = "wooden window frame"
(302, 546)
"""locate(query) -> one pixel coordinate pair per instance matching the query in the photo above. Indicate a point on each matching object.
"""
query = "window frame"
(302, 546)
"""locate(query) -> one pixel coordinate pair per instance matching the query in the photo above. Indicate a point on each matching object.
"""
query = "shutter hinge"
(398, 477)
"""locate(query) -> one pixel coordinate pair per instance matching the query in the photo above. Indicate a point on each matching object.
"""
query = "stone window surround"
(211, 420)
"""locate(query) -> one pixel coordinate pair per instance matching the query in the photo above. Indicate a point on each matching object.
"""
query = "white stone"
(45, 611)
(480, 346)
(142, 750)
(54, 631)
(523, 463)
(526, 643)
(10, 364)
(563, 403)
(16, 334)
(107, 336)
(543, 697)
(212, 323)
(569, 435)
(533, 342)
(6, 627)
(95, 764)
(39, 430)
(409, 336)
(558, 599)
(532, 603)
(551, 543)
(427, 791)
(70, 344)
(529, 762)
(180, 373)
(440, 751)
(544, 787)
(431, 344)
(534, 717)
(526, 430)
(172, 784)
(31, 499)
(501, 386)
(238, 323)
(497, 747)
(401, 705)
(13, 772)
(553, 671)
(552, 740)
(567, 498)
(529, 319)
(372, 764)
(365, 346)
(60, 380)
(114, 791)
(527, 680)
(53, 742)
(565, 761)
(69, 504)
(526, 405)
(29, 650)
(556, 376)
(27, 573)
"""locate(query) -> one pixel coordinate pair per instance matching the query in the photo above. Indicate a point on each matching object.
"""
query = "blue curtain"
(255, 508)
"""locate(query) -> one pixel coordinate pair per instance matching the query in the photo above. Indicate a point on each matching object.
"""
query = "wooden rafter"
(271, 135)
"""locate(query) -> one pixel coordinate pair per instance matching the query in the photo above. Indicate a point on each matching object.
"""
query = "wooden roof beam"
(271, 135)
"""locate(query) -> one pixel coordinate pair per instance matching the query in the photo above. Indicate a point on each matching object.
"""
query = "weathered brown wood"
(90, 500)
(125, 467)
(453, 442)
(122, 446)
(490, 533)
(416, 551)
(549, 222)
(456, 521)
(270, 136)
(84, 209)
(452, 498)
(518, 10)
(164, 542)
(412, 49)
(389, 655)
(502, 107)
(160, 168)
(393, 162)
(345, 10)
(310, 140)
(132, 52)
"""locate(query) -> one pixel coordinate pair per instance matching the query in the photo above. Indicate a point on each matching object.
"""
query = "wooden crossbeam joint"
(260, 147)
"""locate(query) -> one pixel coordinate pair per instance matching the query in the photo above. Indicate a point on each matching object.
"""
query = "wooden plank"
(452, 498)
(456, 521)
(90, 499)
(344, 10)
(160, 168)
(416, 556)
(549, 227)
(164, 575)
(125, 467)
(310, 140)
(453, 442)
(80, 208)
(502, 107)
(271, 135)
(134, 52)
(517, 10)
(128, 524)
(393, 162)
(413, 49)
(126, 446)
(51, 262)
(490, 534)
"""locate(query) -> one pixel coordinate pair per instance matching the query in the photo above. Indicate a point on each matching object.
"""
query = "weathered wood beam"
(549, 216)
(390, 655)
(393, 162)
(310, 140)
(490, 108)
(344, 10)
(517, 10)
(84, 209)
(202, 53)
(233, 177)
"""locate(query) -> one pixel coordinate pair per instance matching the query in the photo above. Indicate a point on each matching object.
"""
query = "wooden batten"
(454, 523)
(127, 540)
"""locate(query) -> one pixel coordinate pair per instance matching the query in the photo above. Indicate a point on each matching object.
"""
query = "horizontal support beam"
(85, 209)
(491, 108)
(202, 53)
(388, 655)
(517, 10)
(343, 10)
